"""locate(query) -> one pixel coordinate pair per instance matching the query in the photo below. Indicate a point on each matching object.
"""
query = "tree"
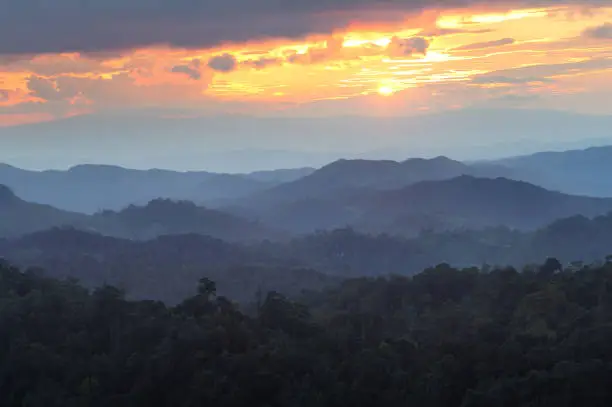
(550, 267)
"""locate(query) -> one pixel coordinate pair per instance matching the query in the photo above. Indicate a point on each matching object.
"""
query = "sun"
(386, 90)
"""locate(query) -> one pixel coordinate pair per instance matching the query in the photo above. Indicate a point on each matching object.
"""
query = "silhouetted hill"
(90, 188)
(158, 217)
(460, 202)
(168, 267)
(348, 175)
(165, 268)
(166, 217)
(281, 175)
(471, 202)
(379, 174)
(19, 217)
(580, 172)
(6, 195)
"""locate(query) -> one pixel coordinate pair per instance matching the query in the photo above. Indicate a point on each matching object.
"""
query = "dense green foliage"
(445, 337)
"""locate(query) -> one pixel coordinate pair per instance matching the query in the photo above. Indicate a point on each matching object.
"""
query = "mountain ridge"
(157, 217)
(463, 201)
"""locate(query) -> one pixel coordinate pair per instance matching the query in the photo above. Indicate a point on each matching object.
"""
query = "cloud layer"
(488, 44)
(439, 59)
(601, 32)
(29, 26)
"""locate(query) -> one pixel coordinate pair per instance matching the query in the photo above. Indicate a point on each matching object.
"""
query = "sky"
(64, 58)
(201, 84)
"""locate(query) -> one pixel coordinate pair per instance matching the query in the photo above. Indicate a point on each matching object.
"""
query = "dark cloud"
(43, 88)
(603, 31)
(192, 69)
(223, 63)
(48, 89)
(400, 47)
(94, 26)
(53, 65)
(4, 95)
(187, 70)
(488, 44)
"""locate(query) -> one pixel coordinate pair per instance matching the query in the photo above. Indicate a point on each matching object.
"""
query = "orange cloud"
(419, 56)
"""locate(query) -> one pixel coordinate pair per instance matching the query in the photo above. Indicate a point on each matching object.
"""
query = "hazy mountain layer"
(158, 217)
(461, 202)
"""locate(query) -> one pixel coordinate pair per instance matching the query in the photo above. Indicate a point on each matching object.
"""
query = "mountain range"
(579, 172)
(380, 196)
(18, 217)
(464, 202)
(91, 188)
(461, 202)
(157, 217)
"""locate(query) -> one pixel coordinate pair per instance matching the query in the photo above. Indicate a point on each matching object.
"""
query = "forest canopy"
(445, 337)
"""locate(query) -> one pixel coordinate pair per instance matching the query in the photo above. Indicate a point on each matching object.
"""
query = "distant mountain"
(470, 202)
(19, 217)
(90, 188)
(165, 217)
(319, 197)
(346, 175)
(580, 172)
(281, 175)
(383, 174)
(158, 217)
(460, 202)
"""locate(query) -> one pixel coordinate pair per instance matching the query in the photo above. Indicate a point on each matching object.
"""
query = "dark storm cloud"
(32, 26)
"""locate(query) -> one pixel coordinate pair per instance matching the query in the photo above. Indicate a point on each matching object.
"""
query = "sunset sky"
(336, 57)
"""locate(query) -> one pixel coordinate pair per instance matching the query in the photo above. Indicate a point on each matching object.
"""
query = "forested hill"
(167, 267)
(462, 202)
(157, 217)
(18, 217)
(166, 217)
(446, 337)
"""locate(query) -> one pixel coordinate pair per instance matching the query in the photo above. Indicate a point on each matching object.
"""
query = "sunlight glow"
(478, 56)
(386, 90)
